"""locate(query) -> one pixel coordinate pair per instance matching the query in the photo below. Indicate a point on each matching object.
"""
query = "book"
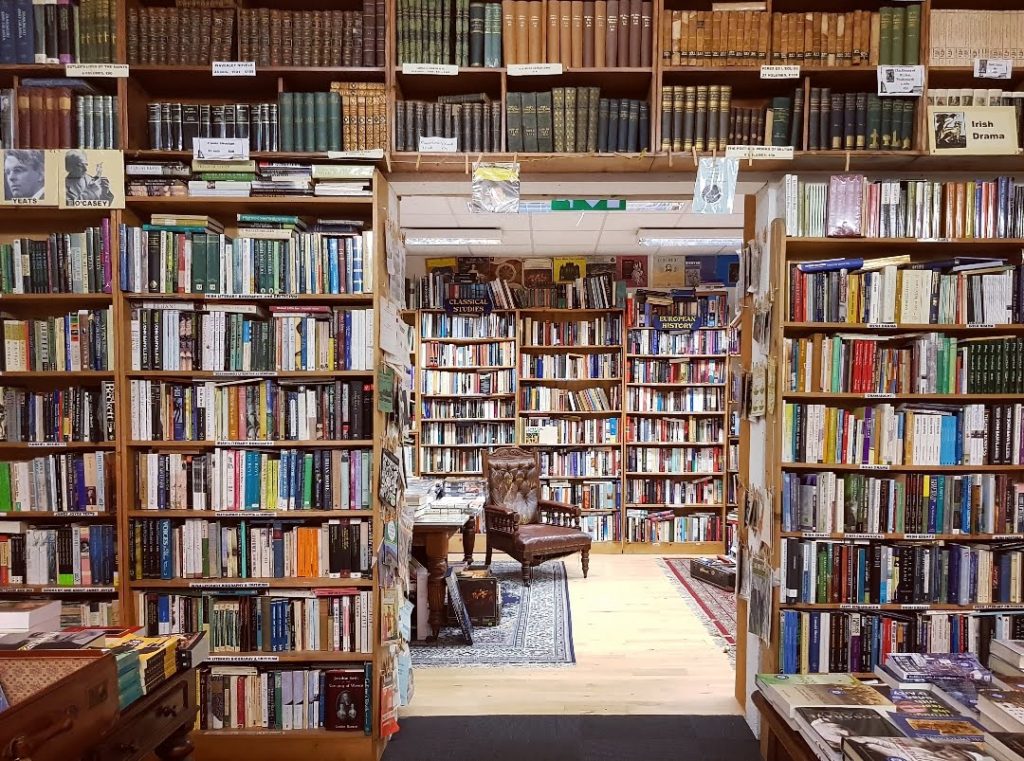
(789, 692)
(956, 729)
(455, 33)
(1004, 708)
(825, 728)
(916, 702)
(1009, 650)
(957, 40)
(1005, 746)
(29, 615)
(906, 749)
(347, 694)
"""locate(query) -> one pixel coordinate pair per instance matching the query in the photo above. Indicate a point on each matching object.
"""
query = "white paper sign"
(900, 80)
(993, 68)
(780, 72)
(373, 153)
(533, 69)
(115, 70)
(435, 69)
(220, 148)
(234, 68)
(438, 144)
(759, 152)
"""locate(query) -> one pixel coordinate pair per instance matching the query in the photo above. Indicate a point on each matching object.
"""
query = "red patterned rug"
(715, 607)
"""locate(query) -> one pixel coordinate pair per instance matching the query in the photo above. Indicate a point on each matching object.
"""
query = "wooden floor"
(639, 650)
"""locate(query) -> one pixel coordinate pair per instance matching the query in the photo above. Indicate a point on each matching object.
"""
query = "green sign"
(386, 389)
(583, 204)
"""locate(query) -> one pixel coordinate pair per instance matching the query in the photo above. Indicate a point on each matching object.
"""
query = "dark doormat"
(573, 738)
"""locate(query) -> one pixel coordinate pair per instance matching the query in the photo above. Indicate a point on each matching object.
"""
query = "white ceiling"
(560, 233)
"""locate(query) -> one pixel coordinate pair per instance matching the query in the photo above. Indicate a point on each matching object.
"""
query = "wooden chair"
(519, 523)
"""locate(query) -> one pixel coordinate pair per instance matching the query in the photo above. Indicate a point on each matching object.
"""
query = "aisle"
(639, 651)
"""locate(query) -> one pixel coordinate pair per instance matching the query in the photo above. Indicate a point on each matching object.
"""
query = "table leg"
(468, 540)
(177, 747)
(437, 564)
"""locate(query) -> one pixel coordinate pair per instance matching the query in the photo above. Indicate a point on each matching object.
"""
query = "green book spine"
(781, 110)
(199, 263)
(545, 144)
(861, 121)
(570, 119)
(446, 30)
(276, 219)
(907, 125)
(912, 36)
(558, 118)
(333, 121)
(582, 118)
(899, 25)
(593, 106)
(320, 126)
(309, 120)
(530, 122)
(286, 123)
(874, 123)
(886, 123)
(299, 120)
(6, 503)
(307, 483)
(885, 36)
(514, 120)
(213, 251)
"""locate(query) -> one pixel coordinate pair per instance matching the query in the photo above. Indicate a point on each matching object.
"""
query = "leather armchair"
(529, 529)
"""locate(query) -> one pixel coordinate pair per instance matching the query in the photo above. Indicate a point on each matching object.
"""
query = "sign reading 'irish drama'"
(972, 130)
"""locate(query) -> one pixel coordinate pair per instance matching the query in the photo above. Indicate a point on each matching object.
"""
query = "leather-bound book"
(714, 98)
(529, 122)
(855, 37)
(320, 105)
(838, 121)
(899, 22)
(678, 116)
(508, 31)
(514, 121)
(714, 37)
(613, 124)
(646, 33)
(680, 54)
(593, 105)
(874, 123)
(796, 122)
(611, 47)
(588, 33)
(906, 133)
(700, 122)
(814, 115)
(602, 126)
(545, 142)
(724, 107)
(553, 54)
(861, 121)
(633, 144)
(810, 54)
(629, 117)
(496, 133)
(848, 37)
(62, 97)
(558, 119)
(535, 33)
(666, 118)
(523, 30)
(401, 122)
(476, 34)
(644, 136)
(582, 118)
(476, 126)
(825, 120)
(51, 137)
(565, 33)
(570, 119)
(25, 139)
(849, 121)
(746, 128)
(689, 117)
(624, 32)
(600, 31)
(577, 33)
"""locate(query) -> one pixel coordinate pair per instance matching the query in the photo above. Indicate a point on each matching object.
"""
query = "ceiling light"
(490, 236)
(683, 238)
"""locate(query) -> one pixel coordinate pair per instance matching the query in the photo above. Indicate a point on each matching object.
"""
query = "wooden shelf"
(667, 413)
(566, 349)
(828, 327)
(310, 375)
(674, 443)
(570, 380)
(466, 446)
(467, 396)
(48, 446)
(57, 589)
(814, 466)
(468, 368)
(340, 299)
(842, 396)
(56, 300)
(292, 582)
(241, 515)
(678, 384)
(465, 340)
(44, 516)
(666, 548)
(933, 606)
(902, 537)
(643, 474)
(254, 444)
(665, 506)
(299, 656)
(56, 375)
(568, 413)
(676, 356)
(426, 420)
(579, 478)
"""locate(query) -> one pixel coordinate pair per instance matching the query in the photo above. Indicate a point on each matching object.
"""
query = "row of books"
(605, 330)
(575, 120)
(448, 461)
(570, 366)
(468, 409)
(957, 38)
(249, 338)
(702, 118)
(177, 254)
(714, 38)
(49, 31)
(82, 340)
(455, 33)
(967, 96)
(852, 503)
(58, 415)
(645, 308)
(856, 122)
(643, 400)
(435, 325)
(970, 434)
(663, 343)
(323, 620)
(588, 495)
(251, 410)
(853, 206)
(932, 363)
(453, 383)
(695, 430)
(580, 34)
(593, 463)
(690, 459)
(601, 291)
(569, 432)
(499, 353)
(547, 399)
(889, 36)
(68, 556)
(58, 483)
(461, 434)
(61, 117)
(666, 526)
(646, 490)
(251, 697)
(473, 122)
(665, 371)
(58, 263)
(600, 528)
(174, 125)
(437, 289)
(202, 549)
(952, 292)
(239, 480)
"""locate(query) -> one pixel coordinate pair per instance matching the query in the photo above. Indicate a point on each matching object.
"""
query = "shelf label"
(219, 658)
(438, 144)
(677, 323)
(45, 444)
(760, 152)
(814, 535)
(879, 396)
(472, 306)
(220, 148)
(79, 590)
(228, 585)
(372, 154)
(900, 80)
(533, 69)
(869, 466)
(73, 514)
(432, 69)
(1008, 536)
(97, 70)
(245, 373)
(920, 537)
(17, 590)
(860, 606)
(234, 68)
(862, 536)
(993, 68)
(981, 325)
(770, 71)
(239, 296)
(244, 443)
(914, 606)
(881, 325)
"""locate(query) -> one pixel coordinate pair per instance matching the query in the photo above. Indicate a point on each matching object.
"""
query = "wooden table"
(779, 741)
(432, 537)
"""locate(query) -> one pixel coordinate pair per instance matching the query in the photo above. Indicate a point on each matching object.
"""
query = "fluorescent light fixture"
(684, 238)
(447, 236)
(646, 207)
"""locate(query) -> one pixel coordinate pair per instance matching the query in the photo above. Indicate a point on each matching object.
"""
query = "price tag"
(372, 153)
(234, 68)
(780, 72)
(431, 69)
(228, 585)
(759, 152)
(533, 69)
(993, 68)
(106, 70)
(900, 80)
(220, 148)
(439, 144)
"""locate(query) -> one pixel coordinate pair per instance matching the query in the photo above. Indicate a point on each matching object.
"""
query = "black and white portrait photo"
(91, 178)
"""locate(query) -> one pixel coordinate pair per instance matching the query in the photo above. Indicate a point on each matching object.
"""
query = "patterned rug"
(535, 629)
(716, 608)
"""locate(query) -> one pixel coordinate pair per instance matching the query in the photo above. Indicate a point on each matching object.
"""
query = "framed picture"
(458, 605)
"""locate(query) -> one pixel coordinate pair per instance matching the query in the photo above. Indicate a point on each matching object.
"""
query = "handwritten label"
(993, 68)
(533, 69)
(243, 658)
(244, 443)
(234, 68)
(438, 144)
(870, 466)
(432, 69)
(760, 152)
(900, 80)
(79, 590)
(108, 70)
(780, 72)
(220, 148)
(879, 396)
(228, 584)
(372, 153)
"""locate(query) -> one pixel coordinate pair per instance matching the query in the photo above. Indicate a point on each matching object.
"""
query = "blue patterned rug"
(535, 629)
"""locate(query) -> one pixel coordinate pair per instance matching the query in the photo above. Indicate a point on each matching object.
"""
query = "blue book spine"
(815, 642)
(278, 551)
(243, 549)
(164, 614)
(932, 503)
(166, 564)
(965, 505)
(8, 32)
(24, 32)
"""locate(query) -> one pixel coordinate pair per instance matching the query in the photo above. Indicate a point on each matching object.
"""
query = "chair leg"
(488, 555)
(527, 573)
(585, 561)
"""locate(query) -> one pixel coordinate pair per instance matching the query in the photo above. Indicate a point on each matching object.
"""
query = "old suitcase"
(714, 572)
(482, 595)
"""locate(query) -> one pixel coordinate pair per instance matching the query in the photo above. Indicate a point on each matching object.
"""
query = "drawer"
(149, 723)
